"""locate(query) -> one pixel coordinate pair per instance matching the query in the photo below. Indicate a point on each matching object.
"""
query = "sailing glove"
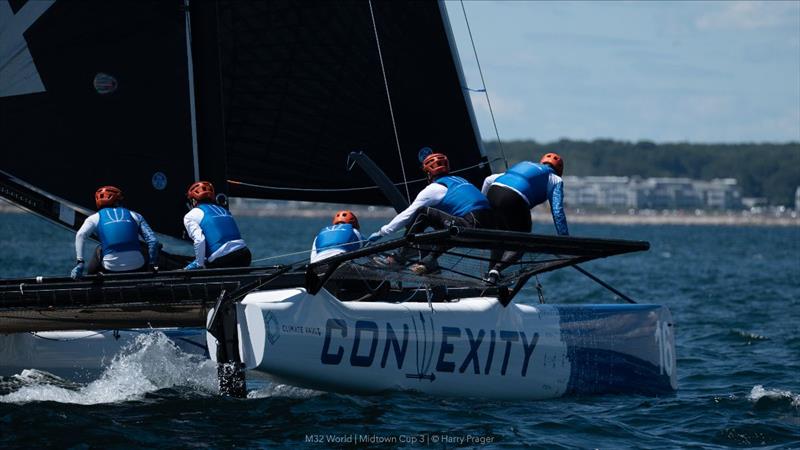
(77, 272)
(193, 265)
(374, 236)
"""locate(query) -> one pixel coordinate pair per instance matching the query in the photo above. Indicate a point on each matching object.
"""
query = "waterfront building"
(608, 192)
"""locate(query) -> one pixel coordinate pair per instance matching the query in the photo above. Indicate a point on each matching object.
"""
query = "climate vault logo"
(18, 74)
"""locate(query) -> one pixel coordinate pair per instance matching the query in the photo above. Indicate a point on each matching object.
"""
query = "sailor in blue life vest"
(514, 193)
(118, 229)
(447, 201)
(343, 236)
(216, 237)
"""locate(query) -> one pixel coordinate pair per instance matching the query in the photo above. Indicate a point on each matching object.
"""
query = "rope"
(363, 188)
(282, 256)
(483, 82)
(297, 253)
(539, 289)
(389, 99)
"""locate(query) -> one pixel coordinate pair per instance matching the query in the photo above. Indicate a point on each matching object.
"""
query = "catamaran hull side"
(470, 348)
(81, 355)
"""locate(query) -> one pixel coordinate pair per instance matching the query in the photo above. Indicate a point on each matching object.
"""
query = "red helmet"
(554, 161)
(201, 190)
(107, 196)
(436, 164)
(346, 216)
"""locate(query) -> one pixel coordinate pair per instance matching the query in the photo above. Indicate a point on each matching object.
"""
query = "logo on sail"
(105, 84)
(159, 181)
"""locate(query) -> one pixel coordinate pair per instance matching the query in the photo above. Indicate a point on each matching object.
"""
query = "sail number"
(665, 348)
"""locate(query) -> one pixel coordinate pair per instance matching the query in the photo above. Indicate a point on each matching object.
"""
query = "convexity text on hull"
(473, 347)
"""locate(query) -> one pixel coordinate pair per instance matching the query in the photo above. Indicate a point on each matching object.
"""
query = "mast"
(190, 72)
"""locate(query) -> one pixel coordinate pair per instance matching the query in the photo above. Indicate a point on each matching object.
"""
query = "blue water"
(734, 293)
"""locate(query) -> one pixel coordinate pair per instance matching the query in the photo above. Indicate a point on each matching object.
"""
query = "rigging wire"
(361, 188)
(389, 99)
(302, 252)
(484, 90)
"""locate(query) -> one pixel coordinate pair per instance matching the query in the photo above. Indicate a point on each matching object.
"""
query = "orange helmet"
(201, 190)
(107, 196)
(346, 216)
(554, 161)
(436, 164)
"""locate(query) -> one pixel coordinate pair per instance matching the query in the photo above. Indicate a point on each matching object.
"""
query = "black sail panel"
(113, 106)
(303, 86)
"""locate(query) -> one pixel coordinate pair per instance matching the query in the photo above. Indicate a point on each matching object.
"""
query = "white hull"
(470, 348)
(80, 355)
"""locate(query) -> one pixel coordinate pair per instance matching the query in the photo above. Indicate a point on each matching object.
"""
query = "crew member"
(514, 193)
(447, 201)
(343, 236)
(217, 241)
(118, 229)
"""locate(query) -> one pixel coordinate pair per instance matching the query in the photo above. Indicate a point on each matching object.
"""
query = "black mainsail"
(303, 86)
(266, 99)
(112, 108)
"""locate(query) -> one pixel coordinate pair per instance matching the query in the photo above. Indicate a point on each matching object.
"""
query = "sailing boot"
(393, 261)
(426, 266)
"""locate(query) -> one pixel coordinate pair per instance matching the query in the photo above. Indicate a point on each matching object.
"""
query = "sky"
(710, 72)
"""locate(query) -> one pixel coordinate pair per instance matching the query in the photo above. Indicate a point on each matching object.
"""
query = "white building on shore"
(797, 199)
(651, 193)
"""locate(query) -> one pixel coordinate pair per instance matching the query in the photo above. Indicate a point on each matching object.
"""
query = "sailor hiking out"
(343, 236)
(213, 230)
(514, 193)
(118, 229)
(447, 201)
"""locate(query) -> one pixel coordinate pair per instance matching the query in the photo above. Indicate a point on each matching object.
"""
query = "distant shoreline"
(730, 218)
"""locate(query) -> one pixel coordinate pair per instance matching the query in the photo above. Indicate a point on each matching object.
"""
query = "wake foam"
(747, 336)
(760, 395)
(283, 390)
(150, 363)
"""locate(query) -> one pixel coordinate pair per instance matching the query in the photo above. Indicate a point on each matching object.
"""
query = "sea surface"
(734, 293)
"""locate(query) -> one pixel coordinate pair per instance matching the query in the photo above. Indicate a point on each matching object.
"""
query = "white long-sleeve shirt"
(114, 262)
(488, 181)
(191, 221)
(431, 196)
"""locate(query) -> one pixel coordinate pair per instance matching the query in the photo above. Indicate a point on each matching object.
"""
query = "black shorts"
(238, 258)
(512, 212)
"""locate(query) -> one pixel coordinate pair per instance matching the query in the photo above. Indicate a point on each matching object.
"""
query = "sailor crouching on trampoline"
(118, 229)
(216, 237)
(343, 236)
(514, 193)
(447, 201)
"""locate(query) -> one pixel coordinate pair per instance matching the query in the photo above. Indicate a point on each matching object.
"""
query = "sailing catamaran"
(275, 100)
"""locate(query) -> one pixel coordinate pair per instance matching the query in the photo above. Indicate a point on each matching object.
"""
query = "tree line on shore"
(764, 170)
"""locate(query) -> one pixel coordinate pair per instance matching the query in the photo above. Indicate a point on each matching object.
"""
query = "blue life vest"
(341, 236)
(117, 230)
(218, 226)
(530, 179)
(462, 197)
